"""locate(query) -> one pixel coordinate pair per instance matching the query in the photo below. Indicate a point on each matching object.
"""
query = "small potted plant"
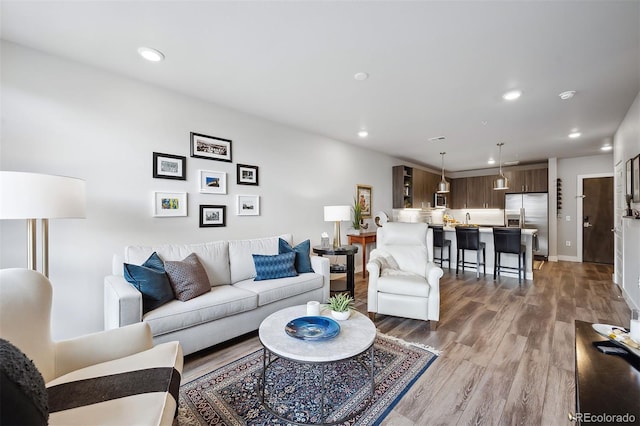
(340, 305)
(357, 216)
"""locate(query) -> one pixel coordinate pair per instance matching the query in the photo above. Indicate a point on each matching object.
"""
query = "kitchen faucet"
(467, 218)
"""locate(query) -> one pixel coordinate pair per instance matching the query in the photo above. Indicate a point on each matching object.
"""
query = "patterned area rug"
(229, 395)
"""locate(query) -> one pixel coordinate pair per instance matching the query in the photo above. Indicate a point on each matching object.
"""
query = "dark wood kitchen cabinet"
(480, 193)
(458, 194)
(531, 180)
(413, 188)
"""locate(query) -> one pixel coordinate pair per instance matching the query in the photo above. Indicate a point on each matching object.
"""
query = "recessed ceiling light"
(575, 135)
(360, 76)
(607, 148)
(491, 161)
(512, 95)
(567, 95)
(511, 163)
(150, 54)
(363, 133)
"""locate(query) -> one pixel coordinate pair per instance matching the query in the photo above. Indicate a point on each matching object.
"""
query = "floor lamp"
(34, 196)
(336, 214)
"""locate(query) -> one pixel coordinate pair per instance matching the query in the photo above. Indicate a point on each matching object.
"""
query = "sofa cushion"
(303, 261)
(241, 251)
(221, 301)
(408, 285)
(147, 408)
(273, 290)
(214, 257)
(269, 267)
(151, 280)
(188, 278)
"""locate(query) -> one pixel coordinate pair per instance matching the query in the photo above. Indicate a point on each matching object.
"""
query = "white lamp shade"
(39, 196)
(337, 213)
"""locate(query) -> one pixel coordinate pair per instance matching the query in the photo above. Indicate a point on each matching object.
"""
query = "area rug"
(229, 395)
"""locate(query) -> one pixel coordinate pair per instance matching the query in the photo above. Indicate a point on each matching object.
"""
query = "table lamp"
(336, 214)
(35, 196)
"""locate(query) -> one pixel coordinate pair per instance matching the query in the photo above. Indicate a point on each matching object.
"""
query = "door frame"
(579, 208)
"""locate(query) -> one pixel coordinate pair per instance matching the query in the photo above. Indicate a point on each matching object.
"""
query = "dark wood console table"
(606, 385)
(349, 252)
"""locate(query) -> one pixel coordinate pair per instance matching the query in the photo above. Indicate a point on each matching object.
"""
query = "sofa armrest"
(433, 274)
(91, 349)
(122, 303)
(320, 266)
(374, 267)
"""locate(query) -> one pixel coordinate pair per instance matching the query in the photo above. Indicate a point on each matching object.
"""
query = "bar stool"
(468, 238)
(508, 240)
(440, 241)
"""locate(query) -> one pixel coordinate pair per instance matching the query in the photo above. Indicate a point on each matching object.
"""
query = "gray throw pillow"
(188, 277)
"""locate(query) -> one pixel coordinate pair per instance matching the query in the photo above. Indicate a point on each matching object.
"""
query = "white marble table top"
(356, 335)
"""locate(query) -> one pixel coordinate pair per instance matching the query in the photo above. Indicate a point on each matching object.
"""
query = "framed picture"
(247, 175)
(169, 204)
(248, 205)
(636, 179)
(212, 216)
(203, 146)
(629, 187)
(167, 166)
(364, 197)
(213, 182)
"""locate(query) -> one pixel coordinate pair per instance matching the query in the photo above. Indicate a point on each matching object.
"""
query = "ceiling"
(435, 68)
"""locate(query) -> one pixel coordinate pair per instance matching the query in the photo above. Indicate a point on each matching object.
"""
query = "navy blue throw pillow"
(269, 267)
(151, 280)
(303, 261)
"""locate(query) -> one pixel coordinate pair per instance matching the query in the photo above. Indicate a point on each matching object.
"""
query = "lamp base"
(336, 235)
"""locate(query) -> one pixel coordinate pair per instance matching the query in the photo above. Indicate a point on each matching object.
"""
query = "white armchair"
(113, 377)
(403, 280)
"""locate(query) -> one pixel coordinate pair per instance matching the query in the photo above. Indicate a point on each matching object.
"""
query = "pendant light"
(443, 185)
(501, 182)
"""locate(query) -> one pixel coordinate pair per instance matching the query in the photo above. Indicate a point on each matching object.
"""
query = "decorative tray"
(312, 328)
(619, 336)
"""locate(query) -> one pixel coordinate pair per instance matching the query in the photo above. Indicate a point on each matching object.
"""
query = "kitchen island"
(486, 236)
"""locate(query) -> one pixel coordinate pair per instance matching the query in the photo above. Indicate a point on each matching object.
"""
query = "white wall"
(569, 169)
(65, 118)
(626, 145)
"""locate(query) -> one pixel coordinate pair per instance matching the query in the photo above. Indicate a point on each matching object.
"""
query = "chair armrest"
(122, 303)
(374, 268)
(320, 266)
(91, 349)
(433, 274)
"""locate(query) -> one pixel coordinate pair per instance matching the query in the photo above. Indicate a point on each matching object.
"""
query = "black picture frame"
(213, 216)
(629, 175)
(636, 179)
(247, 175)
(210, 147)
(169, 166)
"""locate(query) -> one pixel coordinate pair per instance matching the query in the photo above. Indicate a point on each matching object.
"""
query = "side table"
(349, 252)
(363, 239)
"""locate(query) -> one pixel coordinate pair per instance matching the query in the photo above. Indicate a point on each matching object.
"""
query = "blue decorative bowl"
(313, 328)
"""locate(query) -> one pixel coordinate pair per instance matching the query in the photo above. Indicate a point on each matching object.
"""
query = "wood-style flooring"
(507, 348)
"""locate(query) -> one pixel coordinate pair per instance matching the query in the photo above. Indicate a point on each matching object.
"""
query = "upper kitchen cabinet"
(413, 188)
(531, 180)
(480, 193)
(457, 197)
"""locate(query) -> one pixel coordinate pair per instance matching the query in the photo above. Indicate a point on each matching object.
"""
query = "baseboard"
(552, 258)
(569, 259)
(628, 299)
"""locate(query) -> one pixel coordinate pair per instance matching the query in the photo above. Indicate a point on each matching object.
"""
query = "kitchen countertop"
(487, 229)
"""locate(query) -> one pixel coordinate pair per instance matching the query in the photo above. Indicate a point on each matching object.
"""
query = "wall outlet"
(567, 218)
(567, 243)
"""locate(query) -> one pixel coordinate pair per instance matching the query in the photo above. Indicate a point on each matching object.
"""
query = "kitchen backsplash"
(489, 217)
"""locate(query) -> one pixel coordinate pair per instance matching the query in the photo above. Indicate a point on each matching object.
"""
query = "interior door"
(597, 221)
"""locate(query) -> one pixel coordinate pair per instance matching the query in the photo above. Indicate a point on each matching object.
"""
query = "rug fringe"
(416, 344)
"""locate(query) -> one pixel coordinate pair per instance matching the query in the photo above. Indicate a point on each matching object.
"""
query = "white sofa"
(236, 303)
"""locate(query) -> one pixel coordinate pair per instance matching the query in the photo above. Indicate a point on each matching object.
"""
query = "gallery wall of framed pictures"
(201, 146)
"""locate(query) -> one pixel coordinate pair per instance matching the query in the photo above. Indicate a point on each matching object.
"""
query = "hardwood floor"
(507, 349)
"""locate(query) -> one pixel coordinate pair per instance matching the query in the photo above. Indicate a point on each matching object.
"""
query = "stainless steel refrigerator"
(532, 211)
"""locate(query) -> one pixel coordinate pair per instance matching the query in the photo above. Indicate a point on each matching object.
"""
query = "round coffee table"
(316, 364)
